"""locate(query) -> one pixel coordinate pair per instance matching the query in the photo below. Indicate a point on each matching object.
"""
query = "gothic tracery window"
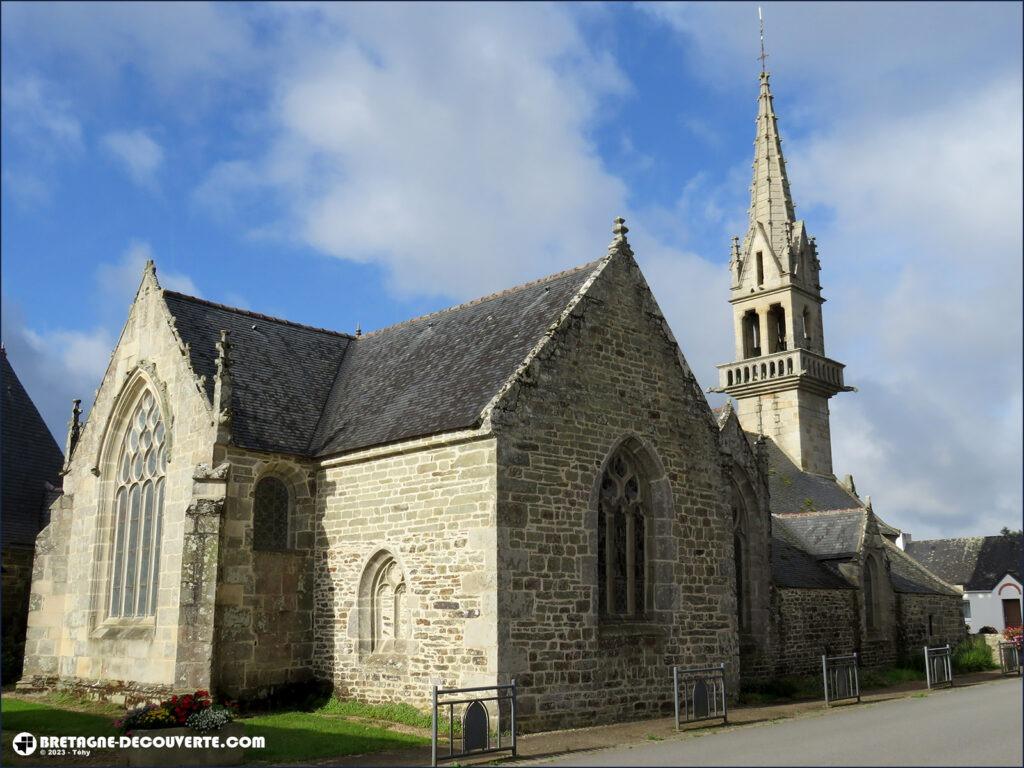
(383, 608)
(271, 506)
(621, 539)
(138, 512)
(388, 610)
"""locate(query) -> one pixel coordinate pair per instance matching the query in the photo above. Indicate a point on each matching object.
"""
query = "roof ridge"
(810, 512)
(482, 299)
(257, 315)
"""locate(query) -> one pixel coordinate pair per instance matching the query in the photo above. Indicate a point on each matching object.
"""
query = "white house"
(987, 569)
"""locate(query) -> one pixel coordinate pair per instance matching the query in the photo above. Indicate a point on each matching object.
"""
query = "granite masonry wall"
(17, 581)
(72, 642)
(610, 376)
(264, 625)
(428, 507)
(812, 622)
(928, 620)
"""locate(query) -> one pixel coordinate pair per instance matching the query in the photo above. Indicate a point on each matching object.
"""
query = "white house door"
(1011, 612)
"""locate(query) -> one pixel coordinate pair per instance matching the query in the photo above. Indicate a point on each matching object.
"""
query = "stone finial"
(74, 431)
(359, 330)
(849, 485)
(867, 505)
(619, 242)
(222, 387)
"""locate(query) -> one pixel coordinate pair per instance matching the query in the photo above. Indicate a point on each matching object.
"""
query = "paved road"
(979, 725)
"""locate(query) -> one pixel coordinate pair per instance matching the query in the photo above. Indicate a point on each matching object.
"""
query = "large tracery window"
(621, 536)
(271, 505)
(138, 510)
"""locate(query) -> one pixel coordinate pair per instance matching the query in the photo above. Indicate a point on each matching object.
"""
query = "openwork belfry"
(138, 509)
(621, 531)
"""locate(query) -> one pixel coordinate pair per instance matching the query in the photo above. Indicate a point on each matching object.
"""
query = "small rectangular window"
(967, 609)
(760, 268)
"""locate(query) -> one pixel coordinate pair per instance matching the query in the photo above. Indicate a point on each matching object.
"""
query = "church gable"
(438, 373)
(314, 392)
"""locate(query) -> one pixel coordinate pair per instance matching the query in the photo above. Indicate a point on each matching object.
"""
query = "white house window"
(138, 509)
(271, 504)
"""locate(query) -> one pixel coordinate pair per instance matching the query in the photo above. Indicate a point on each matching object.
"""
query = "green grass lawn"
(290, 736)
(46, 719)
(297, 736)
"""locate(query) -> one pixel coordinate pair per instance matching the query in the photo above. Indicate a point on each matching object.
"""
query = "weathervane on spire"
(764, 56)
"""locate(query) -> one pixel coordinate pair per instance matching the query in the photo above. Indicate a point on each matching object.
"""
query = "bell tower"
(780, 377)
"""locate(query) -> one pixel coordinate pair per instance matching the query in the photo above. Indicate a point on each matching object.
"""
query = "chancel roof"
(793, 490)
(314, 392)
(31, 459)
(793, 567)
(835, 534)
(976, 563)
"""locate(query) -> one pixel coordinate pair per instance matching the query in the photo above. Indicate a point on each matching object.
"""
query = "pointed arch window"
(271, 509)
(138, 512)
(383, 607)
(621, 533)
(740, 557)
(871, 617)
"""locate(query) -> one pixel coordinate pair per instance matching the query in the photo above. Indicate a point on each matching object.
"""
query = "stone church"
(528, 485)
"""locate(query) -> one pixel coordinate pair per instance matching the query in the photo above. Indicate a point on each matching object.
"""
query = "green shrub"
(973, 655)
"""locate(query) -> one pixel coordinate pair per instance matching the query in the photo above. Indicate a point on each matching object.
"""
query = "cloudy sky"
(350, 164)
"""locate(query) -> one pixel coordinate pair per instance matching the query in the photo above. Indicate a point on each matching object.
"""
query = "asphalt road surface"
(979, 725)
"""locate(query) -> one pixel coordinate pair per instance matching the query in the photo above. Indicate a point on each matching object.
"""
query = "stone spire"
(771, 204)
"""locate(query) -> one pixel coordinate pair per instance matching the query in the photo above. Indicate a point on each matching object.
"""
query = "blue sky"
(350, 164)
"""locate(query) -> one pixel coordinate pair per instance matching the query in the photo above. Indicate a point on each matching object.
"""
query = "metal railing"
(702, 696)
(1009, 658)
(476, 735)
(938, 666)
(840, 678)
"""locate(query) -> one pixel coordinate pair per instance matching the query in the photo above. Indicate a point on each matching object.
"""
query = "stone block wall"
(946, 623)
(611, 374)
(71, 639)
(17, 582)
(264, 635)
(428, 506)
(813, 622)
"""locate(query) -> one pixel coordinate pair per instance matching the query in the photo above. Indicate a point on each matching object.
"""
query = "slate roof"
(794, 568)
(910, 576)
(282, 372)
(437, 373)
(977, 563)
(835, 534)
(314, 392)
(29, 459)
(793, 490)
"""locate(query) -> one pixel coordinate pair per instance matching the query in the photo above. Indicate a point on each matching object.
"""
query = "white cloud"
(58, 364)
(139, 155)
(117, 282)
(35, 113)
(186, 51)
(461, 167)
